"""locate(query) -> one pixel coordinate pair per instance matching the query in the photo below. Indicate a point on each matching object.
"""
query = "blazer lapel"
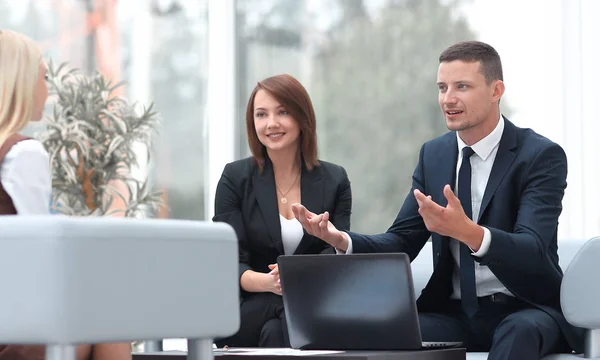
(504, 157)
(266, 196)
(312, 192)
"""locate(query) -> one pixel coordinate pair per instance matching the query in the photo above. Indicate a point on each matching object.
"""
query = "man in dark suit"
(489, 194)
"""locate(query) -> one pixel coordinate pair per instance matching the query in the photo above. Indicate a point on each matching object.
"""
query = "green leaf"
(90, 126)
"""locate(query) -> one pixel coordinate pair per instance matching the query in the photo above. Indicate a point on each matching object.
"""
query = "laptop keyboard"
(432, 345)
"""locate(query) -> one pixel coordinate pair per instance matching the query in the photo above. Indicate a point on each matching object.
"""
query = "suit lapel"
(266, 196)
(445, 166)
(504, 158)
(312, 192)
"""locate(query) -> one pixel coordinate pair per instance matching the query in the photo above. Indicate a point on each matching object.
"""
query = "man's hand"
(320, 226)
(450, 220)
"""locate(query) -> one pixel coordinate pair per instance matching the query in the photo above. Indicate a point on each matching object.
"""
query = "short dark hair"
(293, 96)
(471, 51)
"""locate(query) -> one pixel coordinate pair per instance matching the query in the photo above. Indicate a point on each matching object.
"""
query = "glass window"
(370, 68)
(177, 79)
(159, 49)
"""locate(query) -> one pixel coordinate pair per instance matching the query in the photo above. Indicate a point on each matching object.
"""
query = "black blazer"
(247, 201)
(521, 205)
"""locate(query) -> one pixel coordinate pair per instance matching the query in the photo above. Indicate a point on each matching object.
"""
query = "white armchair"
(68, 281)
(580, 295)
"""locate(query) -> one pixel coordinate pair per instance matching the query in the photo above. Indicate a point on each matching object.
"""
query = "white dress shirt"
(482, 161)
(481, 166)
(25, 176)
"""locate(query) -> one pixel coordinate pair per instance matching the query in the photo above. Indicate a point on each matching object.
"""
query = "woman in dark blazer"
(254, 195)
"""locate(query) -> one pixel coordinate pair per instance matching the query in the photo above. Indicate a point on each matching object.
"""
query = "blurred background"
(370, 68)
(369, 65)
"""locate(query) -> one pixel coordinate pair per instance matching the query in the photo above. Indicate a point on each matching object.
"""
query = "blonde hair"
(20, 59)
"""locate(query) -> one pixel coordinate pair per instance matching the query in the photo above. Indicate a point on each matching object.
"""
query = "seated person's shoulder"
(438, 144)
(538, 144)
(24, 157)
(240, 169)
(27, 149)
(333, 171)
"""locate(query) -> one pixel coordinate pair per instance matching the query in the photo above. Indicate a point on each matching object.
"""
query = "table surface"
(436, 354)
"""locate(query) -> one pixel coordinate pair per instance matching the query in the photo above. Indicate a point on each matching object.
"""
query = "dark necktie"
(468, 293)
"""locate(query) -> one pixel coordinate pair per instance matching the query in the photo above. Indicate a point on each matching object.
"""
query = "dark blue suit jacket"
(520, 207)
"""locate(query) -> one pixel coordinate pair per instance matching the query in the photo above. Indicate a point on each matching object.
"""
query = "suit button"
(437, 254)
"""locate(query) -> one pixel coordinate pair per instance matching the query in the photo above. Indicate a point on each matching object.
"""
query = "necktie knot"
(467, 152)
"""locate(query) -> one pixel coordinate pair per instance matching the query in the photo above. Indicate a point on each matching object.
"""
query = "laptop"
(351, 302)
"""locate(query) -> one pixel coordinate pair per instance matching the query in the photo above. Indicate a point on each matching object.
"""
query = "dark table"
(438, 354)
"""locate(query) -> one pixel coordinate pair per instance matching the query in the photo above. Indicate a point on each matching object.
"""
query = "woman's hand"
(272, 281)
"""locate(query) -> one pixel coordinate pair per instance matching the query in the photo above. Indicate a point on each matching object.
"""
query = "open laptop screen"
(350, 302)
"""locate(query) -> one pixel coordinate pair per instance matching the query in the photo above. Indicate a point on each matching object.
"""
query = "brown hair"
(471, 51)
(294, 97)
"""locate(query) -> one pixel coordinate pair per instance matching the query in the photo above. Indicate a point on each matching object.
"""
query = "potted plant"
(93, 139)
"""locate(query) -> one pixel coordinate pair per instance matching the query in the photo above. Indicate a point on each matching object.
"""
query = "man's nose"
(449, 97)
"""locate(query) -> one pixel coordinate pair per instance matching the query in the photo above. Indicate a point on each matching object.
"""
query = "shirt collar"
(483, 148)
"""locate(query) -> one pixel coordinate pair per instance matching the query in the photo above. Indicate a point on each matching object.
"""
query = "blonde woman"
(25, 182)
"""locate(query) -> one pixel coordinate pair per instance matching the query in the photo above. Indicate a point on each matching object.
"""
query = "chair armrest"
(580, 290)
(580, 294)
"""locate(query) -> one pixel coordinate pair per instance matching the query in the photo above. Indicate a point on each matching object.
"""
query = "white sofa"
(580, 291)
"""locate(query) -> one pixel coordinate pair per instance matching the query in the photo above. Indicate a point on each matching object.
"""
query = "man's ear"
(498, 90)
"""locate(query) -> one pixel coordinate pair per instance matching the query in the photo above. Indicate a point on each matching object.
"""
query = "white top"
(291, 234)
(25, 176)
